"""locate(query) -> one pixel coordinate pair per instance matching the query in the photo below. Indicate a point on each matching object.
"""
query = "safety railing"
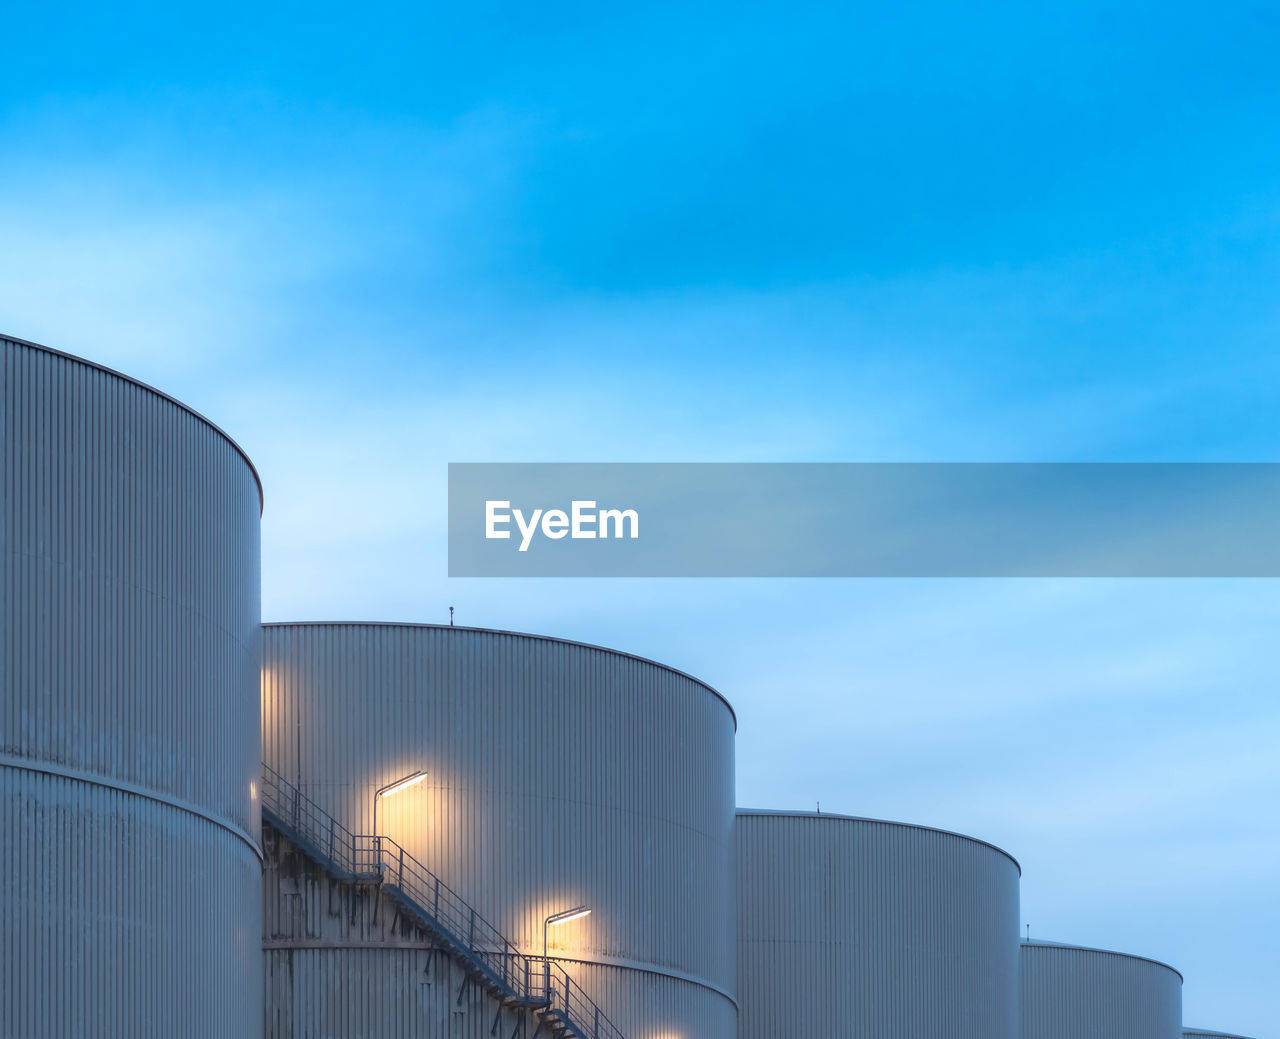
(518, 979)
(314, 830)
(575, 1007)
(444, 911)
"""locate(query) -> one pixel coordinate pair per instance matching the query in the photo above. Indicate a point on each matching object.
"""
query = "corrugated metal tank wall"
(129, 655)
(342, 963)
(559, 774)
(875, 930)
(1069, 991)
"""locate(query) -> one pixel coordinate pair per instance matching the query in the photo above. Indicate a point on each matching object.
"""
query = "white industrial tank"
(129, 657)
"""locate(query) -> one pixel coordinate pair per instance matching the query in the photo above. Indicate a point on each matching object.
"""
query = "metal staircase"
(491, 961)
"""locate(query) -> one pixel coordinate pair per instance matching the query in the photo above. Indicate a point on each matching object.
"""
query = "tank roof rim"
(884, 822)
(1041, 943)
(106, 369)
(515, 634)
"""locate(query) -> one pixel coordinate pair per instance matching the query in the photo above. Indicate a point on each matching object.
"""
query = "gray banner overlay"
(864, 520)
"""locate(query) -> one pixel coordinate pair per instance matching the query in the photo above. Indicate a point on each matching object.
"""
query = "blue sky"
(368, 241)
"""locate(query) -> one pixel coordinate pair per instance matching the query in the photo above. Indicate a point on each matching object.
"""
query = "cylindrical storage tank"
(868, 929)
(1209, 1033)
(129, 656)
(1069, 991)
(558, 774)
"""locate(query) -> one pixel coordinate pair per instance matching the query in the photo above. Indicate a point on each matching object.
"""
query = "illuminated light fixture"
(562, 917)
(402, 784)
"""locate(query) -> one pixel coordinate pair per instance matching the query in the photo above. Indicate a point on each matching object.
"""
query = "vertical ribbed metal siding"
(656, 1006)
(122, 916)
(1068, 992)
(342, 962)
(363, 993)
(129, 651)
(312, 924)
(859, 928)
(560, 774)
(370, 992)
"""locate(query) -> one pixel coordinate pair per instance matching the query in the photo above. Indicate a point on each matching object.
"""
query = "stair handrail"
(579, 1009)
(535, 980)
(320, 834)
(450, 913)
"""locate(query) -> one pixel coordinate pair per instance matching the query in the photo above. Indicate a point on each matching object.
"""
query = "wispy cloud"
(460, 252)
